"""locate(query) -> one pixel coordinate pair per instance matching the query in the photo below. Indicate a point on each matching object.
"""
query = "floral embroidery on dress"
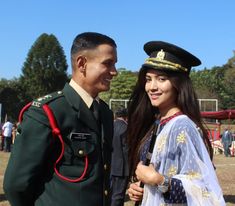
(172, 171)
(198, 191)
(193, 175)
(181, 138)
(205, 193)
(161, 143)
(179, 153)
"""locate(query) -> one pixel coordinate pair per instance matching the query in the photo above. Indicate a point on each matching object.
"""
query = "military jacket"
(30, 178)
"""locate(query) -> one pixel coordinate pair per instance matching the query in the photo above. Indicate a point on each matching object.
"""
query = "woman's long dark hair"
(141, 113)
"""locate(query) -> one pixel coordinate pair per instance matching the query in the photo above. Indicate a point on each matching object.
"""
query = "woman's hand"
(148, 174)
(135, 192)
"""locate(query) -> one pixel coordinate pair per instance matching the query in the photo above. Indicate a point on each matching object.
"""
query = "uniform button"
(80, 152)
(106, 192)
(105, 166)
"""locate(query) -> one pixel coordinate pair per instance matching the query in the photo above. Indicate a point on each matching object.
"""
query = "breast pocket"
(82, 144)
(76, 164)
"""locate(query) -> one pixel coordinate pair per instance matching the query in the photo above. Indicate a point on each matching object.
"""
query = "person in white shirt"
(7, 134)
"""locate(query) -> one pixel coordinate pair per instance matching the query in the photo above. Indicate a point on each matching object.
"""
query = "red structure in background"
(220, 115)
(214, 130)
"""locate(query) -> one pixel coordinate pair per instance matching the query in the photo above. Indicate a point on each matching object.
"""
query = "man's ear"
(81, 62)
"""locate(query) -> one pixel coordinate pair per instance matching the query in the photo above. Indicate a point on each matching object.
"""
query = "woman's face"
(160, 90)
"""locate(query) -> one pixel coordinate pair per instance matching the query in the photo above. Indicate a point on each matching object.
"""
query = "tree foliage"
(228, 95)
(44, 70)
(121, 86)
(10, 98)
(217, 82)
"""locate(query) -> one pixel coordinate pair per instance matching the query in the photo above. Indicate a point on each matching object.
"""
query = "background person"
(119, 166)
(83, 173)
(7, 135)
(14, 131)
(2, 138)
(227, 141)
(181, 171)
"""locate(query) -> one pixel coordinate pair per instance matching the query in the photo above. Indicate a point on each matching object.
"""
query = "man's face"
(99, 69)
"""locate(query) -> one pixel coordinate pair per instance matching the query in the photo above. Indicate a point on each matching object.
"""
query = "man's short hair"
(90, 40)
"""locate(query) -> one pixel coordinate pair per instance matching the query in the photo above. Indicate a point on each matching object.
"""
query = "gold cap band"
(160, 63)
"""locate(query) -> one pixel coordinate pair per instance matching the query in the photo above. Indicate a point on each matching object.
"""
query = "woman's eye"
(161, 78)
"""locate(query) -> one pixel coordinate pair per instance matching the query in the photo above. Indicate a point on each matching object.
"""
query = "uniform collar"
(77, 103)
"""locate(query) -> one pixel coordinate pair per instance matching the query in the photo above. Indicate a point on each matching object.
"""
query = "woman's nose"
(154, 85)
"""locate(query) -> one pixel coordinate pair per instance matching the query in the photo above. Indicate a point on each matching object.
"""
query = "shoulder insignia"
(47, 98)
(36, 104)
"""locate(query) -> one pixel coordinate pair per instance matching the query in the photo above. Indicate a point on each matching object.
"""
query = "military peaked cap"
(166, 56)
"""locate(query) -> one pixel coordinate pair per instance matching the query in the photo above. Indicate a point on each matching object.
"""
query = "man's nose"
(113, 71)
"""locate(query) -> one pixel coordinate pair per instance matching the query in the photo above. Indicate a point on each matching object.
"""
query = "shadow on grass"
(229, 198)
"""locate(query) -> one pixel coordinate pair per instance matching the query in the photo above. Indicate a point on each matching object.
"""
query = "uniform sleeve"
(26, 167)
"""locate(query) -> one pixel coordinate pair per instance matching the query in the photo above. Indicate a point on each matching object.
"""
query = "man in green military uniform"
(35, 174)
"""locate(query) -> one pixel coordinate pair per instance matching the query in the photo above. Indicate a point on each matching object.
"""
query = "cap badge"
(161, 55)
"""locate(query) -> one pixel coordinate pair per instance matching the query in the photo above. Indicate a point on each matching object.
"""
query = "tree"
(45, 69)
(10, 98)
(217, 82)
(201, 80)
(121, 86)
(229, 83)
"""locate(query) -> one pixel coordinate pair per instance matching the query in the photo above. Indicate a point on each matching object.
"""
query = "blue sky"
(204, 27)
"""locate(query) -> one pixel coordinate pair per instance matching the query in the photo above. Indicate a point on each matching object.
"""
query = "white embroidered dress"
(179, 152)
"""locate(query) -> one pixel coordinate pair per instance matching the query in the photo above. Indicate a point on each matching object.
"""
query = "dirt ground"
(225, 169)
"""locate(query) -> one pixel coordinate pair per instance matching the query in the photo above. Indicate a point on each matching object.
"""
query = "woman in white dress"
(180, 170)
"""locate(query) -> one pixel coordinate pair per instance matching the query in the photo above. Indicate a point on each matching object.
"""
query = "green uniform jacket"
(30, 178)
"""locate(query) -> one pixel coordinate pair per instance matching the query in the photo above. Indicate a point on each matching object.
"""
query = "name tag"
(79, 136)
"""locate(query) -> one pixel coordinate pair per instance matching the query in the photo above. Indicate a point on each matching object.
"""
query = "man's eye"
(108, 64)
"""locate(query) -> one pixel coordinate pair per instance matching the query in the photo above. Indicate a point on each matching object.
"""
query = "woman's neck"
(167, 113)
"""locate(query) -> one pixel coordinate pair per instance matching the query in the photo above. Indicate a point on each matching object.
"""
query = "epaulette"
(47, 98)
